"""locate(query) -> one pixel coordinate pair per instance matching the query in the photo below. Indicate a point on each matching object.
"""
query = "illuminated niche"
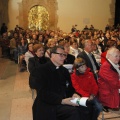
(38, 18)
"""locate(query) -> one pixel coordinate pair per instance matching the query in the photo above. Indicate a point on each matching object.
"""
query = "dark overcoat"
(54, 85)
(87, 60)
(34, 63)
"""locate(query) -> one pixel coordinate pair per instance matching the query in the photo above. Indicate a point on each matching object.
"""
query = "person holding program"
(85, 85)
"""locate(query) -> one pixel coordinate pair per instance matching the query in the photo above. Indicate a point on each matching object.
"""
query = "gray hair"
(111, 51)
(86, 42)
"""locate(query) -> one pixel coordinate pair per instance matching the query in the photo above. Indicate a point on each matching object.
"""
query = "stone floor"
(15, 95)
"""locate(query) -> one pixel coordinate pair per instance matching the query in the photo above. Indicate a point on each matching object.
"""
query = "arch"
(50, 5)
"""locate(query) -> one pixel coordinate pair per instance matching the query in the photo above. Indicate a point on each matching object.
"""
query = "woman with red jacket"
(109, 80)
(85, 84)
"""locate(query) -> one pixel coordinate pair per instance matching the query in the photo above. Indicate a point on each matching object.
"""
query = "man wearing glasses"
(53, 101)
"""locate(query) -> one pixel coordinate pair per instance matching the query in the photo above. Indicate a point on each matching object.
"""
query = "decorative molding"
(50, 5)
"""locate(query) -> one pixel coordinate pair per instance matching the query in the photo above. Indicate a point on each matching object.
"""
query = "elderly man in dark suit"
(89, 57)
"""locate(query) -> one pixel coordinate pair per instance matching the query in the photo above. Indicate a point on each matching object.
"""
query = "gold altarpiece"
(38, 18)
(38, 14)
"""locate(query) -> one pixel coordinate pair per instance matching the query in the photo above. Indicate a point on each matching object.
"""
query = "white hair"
(111, 51)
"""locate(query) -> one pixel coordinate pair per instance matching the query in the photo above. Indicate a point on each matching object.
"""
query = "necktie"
(93, 64)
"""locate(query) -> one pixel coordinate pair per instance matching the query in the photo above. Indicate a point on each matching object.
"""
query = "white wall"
(82, 12)
(70, 12)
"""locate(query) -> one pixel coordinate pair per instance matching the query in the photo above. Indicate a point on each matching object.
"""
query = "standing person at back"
(52, 101)
(3, 28)
(89, 57)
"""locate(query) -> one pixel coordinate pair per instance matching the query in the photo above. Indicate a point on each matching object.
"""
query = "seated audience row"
(55, 91)
(85, 88)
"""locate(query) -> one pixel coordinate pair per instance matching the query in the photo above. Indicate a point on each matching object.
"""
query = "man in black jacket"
(55, 90)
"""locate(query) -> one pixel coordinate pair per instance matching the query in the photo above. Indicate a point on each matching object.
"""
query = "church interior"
(16, 97)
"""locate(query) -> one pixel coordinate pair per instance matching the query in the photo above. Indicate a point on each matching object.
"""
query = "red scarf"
(32, 53)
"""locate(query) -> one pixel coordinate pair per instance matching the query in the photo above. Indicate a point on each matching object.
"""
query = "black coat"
(70, 59)
(87, 60)
(34, 63)
(52, 89)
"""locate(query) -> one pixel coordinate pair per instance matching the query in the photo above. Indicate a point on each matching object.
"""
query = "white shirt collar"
(57, 67)
(86, 52)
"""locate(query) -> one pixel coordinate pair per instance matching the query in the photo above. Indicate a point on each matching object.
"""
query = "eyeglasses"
(61, 54)
(79, 65)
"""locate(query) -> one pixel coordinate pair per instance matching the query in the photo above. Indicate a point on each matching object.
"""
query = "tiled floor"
(15, 94)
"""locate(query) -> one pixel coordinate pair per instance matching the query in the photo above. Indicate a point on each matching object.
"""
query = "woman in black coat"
(35, 62)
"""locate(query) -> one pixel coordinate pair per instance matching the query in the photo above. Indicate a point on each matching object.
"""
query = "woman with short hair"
(36, 61)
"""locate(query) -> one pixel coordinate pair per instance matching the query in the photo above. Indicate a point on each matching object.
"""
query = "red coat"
(108, 84)
(84, 84)
(103, 57)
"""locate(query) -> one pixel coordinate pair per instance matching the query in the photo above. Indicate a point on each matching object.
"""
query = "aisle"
(15, 95)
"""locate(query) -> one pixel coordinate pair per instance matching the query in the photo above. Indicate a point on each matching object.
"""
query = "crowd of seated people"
(91, 45)
(43, 36)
